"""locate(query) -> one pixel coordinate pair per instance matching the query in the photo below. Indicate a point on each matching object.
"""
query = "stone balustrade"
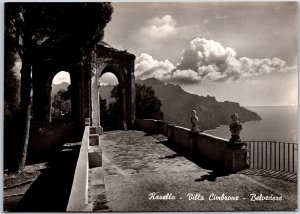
(230, 156)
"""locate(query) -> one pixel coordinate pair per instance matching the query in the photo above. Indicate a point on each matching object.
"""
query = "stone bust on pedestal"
(194, 121)
(235, 129)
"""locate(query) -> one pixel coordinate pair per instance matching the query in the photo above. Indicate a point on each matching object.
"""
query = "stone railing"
(230, 156)
(89, 156)
(152, 126)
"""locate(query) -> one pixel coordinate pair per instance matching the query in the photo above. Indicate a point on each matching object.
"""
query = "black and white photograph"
(150, 106)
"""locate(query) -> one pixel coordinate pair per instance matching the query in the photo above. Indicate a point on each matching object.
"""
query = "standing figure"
(194, 121)
(235, 129)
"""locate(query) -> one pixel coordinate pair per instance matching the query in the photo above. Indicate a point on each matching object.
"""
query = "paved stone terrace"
(135, 165)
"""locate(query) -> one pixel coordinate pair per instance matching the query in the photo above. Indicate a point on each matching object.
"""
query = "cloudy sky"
(243, 52)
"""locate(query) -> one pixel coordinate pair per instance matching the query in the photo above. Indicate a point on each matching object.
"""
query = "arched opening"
(53, 109)
(61, 97)
(110, 100)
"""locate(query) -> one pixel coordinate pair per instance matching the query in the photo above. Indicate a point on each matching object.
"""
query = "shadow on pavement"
(202, 162)
(211, 176)
(288, 176)
(50, 191)
(171, 156)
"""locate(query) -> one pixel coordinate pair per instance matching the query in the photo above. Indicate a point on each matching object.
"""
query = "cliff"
(177, 105)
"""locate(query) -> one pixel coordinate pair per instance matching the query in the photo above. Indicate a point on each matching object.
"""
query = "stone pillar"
(48, 104)
(123, 101)
(236, 157)
(130, 95)
(95, 104)
(80, 83)
(85, 91)
(75, 95)
(87, 122)
(170, 131)
(159, 128)
(131, 109)
(94, 98)
(123, 97)
(41, 85)
(194, 140)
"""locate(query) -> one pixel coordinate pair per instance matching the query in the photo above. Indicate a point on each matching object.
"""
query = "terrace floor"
(136, 166)
(42, 187)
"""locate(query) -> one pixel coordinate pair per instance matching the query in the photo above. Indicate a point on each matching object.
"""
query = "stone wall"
(231, 157)
(78, 200)
(90, 156)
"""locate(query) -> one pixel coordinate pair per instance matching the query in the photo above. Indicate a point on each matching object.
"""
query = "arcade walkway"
(135, 165)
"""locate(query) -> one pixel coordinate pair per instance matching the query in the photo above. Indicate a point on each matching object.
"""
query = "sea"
(279, 123)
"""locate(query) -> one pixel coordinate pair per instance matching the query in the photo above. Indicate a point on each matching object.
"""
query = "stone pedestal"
(194, 138)
(236, 157)
(87, 121)
(96, 130)
(170, 131)
(159, 127)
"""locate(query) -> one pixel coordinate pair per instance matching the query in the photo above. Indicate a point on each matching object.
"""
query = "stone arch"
(41, 81)
(107, 68)
(84, 76)
(43, 74)
(74, 82)
(51, 104)
(121, 64)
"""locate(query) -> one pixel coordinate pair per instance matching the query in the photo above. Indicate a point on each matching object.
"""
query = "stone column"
(123, 101)
(95, 104)
(41, 95)
(94, 99)
(170, 132)
(48, 89)
(85, 91)
(75, 95)
(130, 96)
(132, 90)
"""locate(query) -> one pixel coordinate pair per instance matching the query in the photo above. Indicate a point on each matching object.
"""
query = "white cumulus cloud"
(208, 60)
(166, 27)
(212, 61)
(146, 67)
(156, 27)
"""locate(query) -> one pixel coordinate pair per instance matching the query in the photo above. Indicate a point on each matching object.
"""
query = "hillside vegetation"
(177, 105)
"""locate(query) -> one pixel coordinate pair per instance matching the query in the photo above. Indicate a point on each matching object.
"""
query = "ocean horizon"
(279, 123)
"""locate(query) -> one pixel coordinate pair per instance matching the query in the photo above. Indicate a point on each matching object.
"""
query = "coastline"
(279, 123)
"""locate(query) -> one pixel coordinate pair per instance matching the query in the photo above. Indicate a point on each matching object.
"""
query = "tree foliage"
(62, 32)
(103, 108)
(147, 103)
(61, 104)
(56, 30)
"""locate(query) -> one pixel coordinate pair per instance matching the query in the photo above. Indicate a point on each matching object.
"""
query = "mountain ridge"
(177, 105)
(57, 87)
